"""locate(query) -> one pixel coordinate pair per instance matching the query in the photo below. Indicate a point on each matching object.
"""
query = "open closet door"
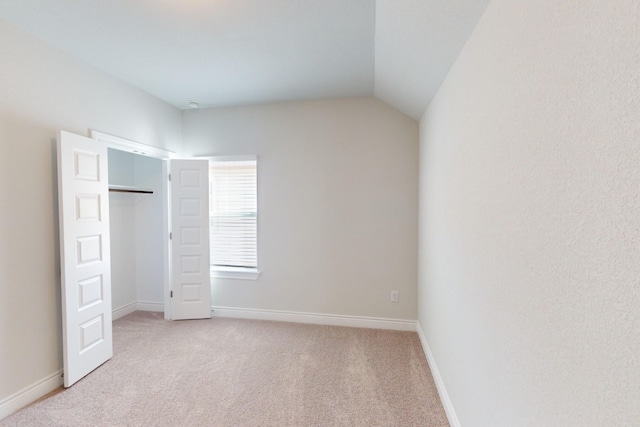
(190, 282)
(83, 200)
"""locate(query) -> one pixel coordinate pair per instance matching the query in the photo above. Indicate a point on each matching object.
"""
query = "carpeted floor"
(229, 372)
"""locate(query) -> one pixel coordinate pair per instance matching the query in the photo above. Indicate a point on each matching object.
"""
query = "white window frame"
(239, 273)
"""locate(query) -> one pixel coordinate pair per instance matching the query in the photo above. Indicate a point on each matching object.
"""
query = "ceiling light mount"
(194, 104)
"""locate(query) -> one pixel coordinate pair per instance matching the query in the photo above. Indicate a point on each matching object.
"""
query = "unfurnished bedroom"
(319, 213)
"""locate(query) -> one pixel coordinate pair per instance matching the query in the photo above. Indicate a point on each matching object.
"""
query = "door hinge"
(169, 177)
(171, 294)
(170, 236)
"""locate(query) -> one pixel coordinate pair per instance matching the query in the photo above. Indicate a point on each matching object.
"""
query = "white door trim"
(130, 146)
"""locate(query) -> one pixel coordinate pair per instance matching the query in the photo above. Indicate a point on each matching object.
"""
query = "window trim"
(240, 273)
(237, 273)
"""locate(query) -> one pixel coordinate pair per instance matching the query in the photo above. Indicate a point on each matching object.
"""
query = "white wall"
(44, 90)
(122, 220)
(337, 201)
(530, 217)
(122, 229)
(150, 233)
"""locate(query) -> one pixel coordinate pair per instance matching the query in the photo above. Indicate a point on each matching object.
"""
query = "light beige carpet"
(227, 372)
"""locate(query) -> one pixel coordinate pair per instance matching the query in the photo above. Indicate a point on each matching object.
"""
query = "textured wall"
(529, 288)
(337, 201)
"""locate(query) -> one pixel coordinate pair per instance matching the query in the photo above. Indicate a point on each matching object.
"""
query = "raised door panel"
(190, 239)
(85, 255)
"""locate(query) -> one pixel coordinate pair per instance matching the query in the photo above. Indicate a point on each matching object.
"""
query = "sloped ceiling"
(416, 43)
(239, 52)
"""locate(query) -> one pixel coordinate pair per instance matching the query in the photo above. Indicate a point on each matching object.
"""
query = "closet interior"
(138, 225)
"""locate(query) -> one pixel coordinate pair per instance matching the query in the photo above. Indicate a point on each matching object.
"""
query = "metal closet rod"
(129, 190)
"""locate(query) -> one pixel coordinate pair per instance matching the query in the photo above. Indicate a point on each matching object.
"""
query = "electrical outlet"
(395, 296)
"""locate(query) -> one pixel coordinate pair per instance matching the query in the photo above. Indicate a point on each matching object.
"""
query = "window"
(233, 218)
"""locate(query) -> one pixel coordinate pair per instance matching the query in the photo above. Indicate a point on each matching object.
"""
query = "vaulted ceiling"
(239, 52)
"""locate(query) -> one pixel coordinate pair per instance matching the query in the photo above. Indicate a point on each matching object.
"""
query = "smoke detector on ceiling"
(193, 104)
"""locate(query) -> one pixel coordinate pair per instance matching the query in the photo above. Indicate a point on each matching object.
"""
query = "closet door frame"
(133, 147)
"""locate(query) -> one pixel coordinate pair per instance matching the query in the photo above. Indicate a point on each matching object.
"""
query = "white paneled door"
(83, 198)
(191, 287)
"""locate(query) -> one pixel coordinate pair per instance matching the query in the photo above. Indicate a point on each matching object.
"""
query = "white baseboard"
(442, 391)
(123, 311)
(315, 318)
(287, 316)
(30, 394)
(157, 307)
(137, 306)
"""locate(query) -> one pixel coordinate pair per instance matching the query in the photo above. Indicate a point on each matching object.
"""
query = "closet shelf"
(127, 189)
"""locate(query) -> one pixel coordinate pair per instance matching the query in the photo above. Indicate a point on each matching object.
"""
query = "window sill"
(239, 273)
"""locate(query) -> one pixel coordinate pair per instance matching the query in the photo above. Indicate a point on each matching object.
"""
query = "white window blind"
(233, 213)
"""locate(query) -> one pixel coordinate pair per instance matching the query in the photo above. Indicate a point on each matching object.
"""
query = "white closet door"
(191, 287)
(83, 200)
